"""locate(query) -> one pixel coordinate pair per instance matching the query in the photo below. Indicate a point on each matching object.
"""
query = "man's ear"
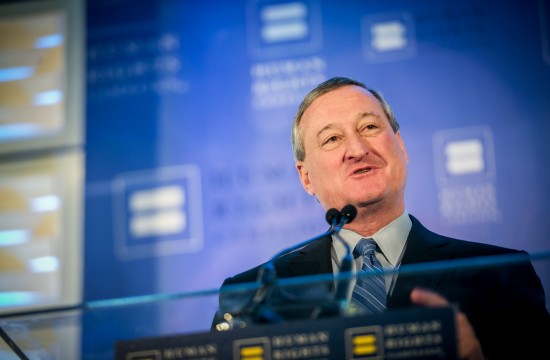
(402, 146)
(304, 177)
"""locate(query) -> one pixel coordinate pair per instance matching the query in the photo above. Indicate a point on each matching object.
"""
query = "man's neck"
(371, 219)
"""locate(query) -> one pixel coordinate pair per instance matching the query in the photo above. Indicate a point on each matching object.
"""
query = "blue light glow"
(44, 264)
(45, 203)
(48, 41)
(17, 131)
(16, 73)
(17, 298)
(48, 98)
(13, 237)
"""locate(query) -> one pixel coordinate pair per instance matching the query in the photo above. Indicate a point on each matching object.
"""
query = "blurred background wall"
(144, 146)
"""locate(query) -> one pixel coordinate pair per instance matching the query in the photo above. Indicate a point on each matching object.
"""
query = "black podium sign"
(398, 334)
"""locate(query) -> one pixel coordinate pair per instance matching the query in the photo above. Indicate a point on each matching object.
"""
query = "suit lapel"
(423, 246)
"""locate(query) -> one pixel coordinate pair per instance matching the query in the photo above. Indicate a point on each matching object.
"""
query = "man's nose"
(357, 146)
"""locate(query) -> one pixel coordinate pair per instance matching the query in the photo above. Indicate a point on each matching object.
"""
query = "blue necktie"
(370, 290)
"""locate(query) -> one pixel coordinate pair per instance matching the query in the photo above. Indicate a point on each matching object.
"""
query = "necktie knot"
(365, 247)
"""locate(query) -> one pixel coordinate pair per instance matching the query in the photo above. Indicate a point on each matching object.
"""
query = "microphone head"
(333, 216)
(349, 212)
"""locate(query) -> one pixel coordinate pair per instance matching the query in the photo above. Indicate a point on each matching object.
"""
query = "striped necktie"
(370, 290)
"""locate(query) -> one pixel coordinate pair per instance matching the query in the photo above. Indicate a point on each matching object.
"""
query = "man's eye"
(330, 139)
(368, 128)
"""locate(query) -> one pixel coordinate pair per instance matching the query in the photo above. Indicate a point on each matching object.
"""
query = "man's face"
(353, 155)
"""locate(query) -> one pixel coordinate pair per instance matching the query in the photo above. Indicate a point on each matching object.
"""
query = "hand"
(468, 345)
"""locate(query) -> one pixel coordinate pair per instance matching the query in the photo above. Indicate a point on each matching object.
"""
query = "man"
(348, 150)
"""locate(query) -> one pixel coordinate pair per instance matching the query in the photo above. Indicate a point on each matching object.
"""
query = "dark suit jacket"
(497, 288)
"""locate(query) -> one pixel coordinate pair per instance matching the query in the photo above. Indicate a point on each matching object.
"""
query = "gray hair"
(321, 89)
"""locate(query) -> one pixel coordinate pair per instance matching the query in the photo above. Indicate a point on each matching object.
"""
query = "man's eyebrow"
(368, 114)
(323, 129)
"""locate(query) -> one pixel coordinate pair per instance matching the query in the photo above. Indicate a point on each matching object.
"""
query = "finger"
(425, 297)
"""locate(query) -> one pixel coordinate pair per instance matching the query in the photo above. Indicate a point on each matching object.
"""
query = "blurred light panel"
(32, 75)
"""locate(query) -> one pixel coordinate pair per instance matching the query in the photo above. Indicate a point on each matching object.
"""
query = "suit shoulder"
(288, 263)
(243, 277)
(462, 247)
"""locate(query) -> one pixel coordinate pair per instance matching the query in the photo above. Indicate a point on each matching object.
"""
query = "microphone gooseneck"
(347, 215)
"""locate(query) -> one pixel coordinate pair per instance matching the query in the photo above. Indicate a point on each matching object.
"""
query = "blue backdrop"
(189, 108)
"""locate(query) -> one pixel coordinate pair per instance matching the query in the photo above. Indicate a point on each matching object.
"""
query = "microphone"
(345, 216)
(333, 217)
(337, 219)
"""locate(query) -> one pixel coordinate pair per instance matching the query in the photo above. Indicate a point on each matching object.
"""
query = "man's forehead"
(327, 112)
(369, 115)
(344, 99)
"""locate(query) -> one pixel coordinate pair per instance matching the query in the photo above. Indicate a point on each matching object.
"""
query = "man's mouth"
(362, 171)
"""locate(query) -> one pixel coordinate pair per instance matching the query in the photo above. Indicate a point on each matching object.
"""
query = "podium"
(418, 333)
(176, 326)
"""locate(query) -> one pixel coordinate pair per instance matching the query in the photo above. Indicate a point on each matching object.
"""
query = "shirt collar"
(391, 239)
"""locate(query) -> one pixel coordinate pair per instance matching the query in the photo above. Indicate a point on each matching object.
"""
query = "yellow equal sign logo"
(252, 349)
(365, 343)
(252, 353)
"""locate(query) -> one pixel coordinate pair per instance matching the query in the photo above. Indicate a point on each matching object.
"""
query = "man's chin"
(359, 202)
(369, 202)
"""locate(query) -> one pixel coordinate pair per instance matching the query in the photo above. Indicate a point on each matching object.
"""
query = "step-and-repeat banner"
(189, 170)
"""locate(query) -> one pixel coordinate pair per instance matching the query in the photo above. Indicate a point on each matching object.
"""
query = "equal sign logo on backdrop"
(279, 29)
(465, 171)
(388, 37)
(284, 22)
(157, 212)
(464, 157)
